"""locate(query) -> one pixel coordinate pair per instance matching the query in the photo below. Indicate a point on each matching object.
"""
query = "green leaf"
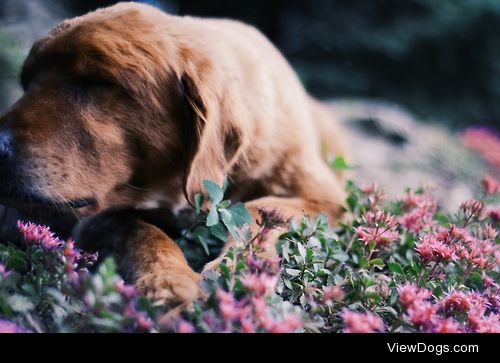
(224, 204)
(203, 235)
(240, 215)
(219, 231)
(363, 262)
(416, 267)
(214, 191)
(213, 216)
(352, 202)
(371, 245)
(377, 262)
(20, 303)
(292, 272)
(340, 255)
(16, 260)
(227, 219)
(240, 265)
(396, 268)
(339, 163)
(302, 251)
(476, 278)
(29, 289)
(204, 244)
(198, 201)
(224, 270)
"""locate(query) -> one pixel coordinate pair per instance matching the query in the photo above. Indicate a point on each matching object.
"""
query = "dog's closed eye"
(92, 82)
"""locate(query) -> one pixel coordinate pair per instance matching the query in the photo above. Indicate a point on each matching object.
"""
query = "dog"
(128, 108)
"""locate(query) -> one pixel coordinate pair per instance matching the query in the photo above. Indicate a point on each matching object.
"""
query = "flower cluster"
(10, 327)
(419, 211)
(490, 185)
(455, 312)
(245, 304)
(379, 227)
(49, 288)
(455, 243)
(36, 234)
(375, 195)
(361, 322)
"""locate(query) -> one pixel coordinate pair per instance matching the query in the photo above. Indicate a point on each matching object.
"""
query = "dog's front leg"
(145, 255)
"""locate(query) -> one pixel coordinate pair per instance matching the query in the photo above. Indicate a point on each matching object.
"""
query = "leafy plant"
(398, 266)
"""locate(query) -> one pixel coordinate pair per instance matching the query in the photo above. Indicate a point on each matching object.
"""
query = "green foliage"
(399, 266)
(222, 217)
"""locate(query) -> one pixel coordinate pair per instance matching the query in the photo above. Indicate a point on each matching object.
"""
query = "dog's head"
(113, 104)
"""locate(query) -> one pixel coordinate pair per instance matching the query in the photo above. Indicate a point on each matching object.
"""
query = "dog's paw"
(170, 288)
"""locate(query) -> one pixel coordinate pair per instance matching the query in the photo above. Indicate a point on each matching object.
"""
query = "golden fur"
(129, 107)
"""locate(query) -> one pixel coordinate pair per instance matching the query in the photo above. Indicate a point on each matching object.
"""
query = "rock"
(388, 145)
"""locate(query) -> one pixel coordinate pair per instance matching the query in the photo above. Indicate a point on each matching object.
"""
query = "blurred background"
(440, 59)
(416, 82)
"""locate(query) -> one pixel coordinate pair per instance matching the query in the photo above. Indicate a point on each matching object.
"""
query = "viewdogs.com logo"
(437, 349)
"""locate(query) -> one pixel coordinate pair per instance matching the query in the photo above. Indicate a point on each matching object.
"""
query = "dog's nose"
(5, 146)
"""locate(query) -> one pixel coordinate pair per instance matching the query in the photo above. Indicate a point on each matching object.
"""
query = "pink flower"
(421, 314)
(289, 324)
(142, 321)
(483, 324)
(270, 265)
(375, 194)
(361, 322)
(227, 304)
(485, 142)
(453, 234)
(379, 227)
(42, 235)
(416, 220)
(10, 327)
(3, 271)
(456, 301)
(410, 294)
(430, 248)
(489, 232)
(493, 213)
(247, 325)
(488, 281)
(185, 327)
(446, 326)
(127, 291)
(261, 312)
(472, 207)
(260, 284)
(491, 185)
(332, 294)
(380, 236)
(380, 219)
(420, 212)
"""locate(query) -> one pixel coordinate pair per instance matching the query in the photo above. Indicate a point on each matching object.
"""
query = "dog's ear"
(215, 138)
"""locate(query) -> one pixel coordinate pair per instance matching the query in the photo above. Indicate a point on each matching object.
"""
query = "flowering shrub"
(46, 287)
(388, 266)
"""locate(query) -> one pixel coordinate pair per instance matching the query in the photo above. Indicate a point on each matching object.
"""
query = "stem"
(421, 273)
(371, 253)
(432, 271)
(467, 220)
(351, 242)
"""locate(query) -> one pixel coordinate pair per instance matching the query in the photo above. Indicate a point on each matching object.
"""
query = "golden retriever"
(128, 107)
